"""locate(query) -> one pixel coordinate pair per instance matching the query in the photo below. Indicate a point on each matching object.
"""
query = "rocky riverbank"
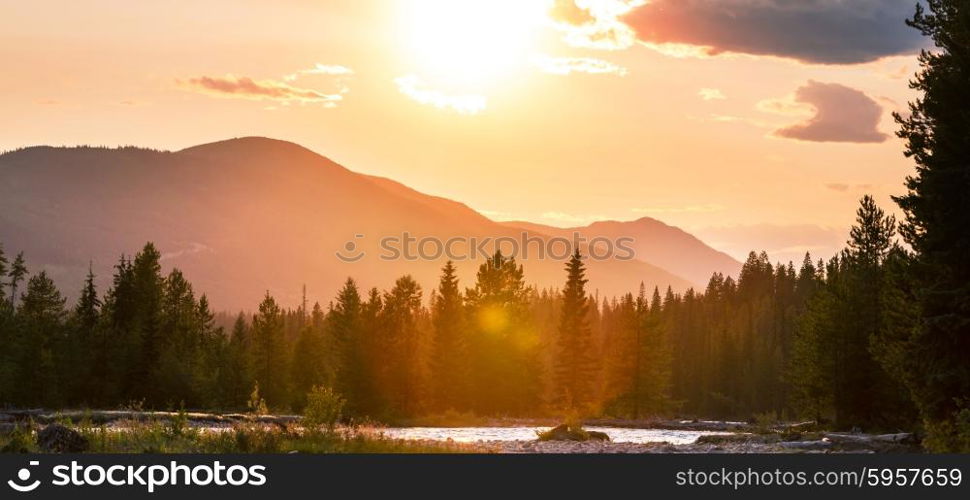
(716, 436)
(726, 443)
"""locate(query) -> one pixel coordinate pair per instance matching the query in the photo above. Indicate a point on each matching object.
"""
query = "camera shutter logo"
(23, 475)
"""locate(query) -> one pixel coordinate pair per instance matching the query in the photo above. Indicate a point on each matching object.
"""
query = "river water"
(474, 434)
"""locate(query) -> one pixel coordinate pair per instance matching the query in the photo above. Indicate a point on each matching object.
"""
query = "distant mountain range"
(245, 216)
(668, 247)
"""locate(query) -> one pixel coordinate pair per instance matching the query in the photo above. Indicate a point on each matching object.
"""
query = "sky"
(754, 124)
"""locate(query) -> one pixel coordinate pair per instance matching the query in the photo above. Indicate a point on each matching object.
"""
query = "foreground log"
(98, 417)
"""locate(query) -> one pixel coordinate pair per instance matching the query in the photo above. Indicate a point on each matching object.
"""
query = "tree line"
(777, 340)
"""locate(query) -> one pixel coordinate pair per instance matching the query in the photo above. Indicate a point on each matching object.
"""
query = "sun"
(471, 42)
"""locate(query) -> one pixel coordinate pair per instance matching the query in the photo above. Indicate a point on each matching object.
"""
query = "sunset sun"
(471, 43)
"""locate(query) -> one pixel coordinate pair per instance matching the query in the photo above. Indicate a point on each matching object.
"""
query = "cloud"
(842, 187)
(595, 24)
(415, 88)
(246, 88)
(570, 218)
(193, 248)
(569, 65)
(782, 242)
(813, 31)
(842, 114)
(721, 118)
(788, 106)
(690, 209)
(321, 69)
(567, 11)
(711, 94)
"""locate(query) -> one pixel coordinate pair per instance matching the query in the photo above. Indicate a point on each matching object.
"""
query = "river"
(475, 434)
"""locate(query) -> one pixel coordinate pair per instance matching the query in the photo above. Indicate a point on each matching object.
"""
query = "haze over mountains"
(245, 216)
(666, 246)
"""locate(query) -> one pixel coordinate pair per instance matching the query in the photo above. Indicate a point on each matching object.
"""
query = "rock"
(598, 436)
(564, 432)
(806, 445)
(55, 438)
(557, 433)
(900, 442)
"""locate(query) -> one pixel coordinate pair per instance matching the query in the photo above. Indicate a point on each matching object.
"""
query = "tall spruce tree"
(575, 370)
(506, 372)
(6, 333)
(351, 371)
(3, 274)
(400, 374)
(41, 319)
(309, 366)
(937, 212)
(239, 380)
(142, 325)
(449, 355)
(85, 349)
(18, 272)
(269, 353)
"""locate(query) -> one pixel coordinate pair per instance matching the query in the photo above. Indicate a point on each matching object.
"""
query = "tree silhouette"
(937, 217)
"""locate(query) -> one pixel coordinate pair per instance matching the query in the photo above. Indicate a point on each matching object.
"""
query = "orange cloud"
(712, 94)
(595, 24)
(695, 209)
(246, 88)
(813, 31)
(569, 65)
(842, 114)
(321, 69)
(415, 88)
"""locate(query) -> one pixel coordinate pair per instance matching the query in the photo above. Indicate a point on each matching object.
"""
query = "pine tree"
(835, 370)
(88, 305)
(141, 325)
(18, 271)
(575, 372)
(505, 366)
(41, 317)
(239, 378)
(351, 371)
(269, 354)
(937, 217)
(6, 334)
(449, 356)
(401, 372)
(85, 350)
(3, 273)
(176, 368)
(309, 367)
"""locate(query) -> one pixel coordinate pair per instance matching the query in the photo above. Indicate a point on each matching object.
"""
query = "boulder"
(558, 433)
(55, 438)
(564, 432)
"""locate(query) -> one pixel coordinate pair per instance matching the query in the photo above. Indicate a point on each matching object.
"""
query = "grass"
(176, 436)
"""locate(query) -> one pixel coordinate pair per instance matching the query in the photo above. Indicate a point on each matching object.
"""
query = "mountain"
(245, 216)
(666, 246)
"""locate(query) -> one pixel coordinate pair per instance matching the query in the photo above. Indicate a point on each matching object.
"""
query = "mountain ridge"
(244, 216)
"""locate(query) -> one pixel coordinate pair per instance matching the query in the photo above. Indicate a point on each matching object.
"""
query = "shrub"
(256, 404)
(323, 408)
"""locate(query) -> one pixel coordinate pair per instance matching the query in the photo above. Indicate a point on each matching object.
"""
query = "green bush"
(324, 408)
